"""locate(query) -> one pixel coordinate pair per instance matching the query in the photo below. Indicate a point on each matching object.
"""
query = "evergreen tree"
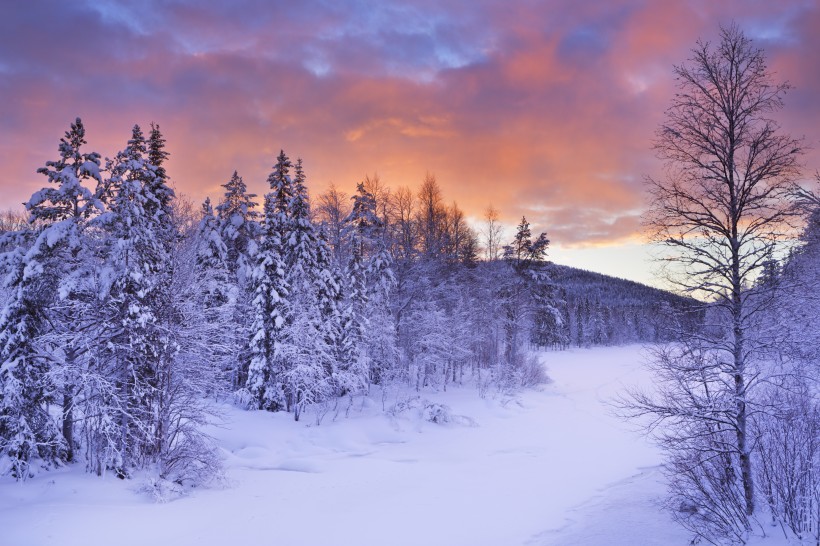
(138, 346)
(306, 256)
(212, 258)
(281, 186)
(271, 315)
(158, 193)
(62, 214)
(273, 312)
(524, 293)
(27, 431)
(380, 336)
(353, 367)
(238, 227)
(239, 230)
(71, 199)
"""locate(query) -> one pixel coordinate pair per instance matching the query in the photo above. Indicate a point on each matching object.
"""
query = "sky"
(544, 109)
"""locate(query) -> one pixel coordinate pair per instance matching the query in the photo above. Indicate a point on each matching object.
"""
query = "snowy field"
(549, 466)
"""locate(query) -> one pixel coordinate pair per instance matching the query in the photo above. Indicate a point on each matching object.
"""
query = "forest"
(128, 308)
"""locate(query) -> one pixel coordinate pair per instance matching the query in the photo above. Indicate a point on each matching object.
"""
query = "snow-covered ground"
(549, 466)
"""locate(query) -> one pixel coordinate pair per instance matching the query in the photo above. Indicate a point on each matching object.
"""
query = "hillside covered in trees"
(603, 310)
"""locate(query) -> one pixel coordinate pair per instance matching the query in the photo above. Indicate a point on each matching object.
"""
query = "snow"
(547, 466)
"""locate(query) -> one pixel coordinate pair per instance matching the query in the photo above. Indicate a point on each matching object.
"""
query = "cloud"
(543, 109)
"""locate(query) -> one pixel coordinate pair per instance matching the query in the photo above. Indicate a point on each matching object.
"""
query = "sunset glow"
(543, 109)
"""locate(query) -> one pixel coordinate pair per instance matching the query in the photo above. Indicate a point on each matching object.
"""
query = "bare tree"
(459, 239)
(332, 207)
(13, 220)
(721, 211)
(431, 216)
(381, 194)
(406, 229)
(492, 233)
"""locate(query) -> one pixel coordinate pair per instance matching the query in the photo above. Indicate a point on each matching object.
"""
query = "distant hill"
(603, 310)
(582, 282)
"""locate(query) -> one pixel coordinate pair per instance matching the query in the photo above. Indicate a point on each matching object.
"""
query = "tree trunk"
(738, 334)
(68, 422)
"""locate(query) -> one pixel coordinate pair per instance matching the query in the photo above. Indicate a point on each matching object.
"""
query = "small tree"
(526, 259)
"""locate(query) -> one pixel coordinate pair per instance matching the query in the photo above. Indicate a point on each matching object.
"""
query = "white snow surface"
(545, 467)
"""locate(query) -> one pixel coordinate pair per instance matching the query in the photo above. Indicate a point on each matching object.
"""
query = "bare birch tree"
(721, 211)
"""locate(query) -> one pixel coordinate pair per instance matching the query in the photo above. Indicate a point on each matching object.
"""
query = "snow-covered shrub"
(532, 373)
(789, 462)
(160, 490)
(529, 373)
(243, 398)
(437, 413)
(704, 495)
(404, 405)
(192, 459)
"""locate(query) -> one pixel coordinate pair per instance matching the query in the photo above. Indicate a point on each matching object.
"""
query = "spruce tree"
(27, 431)
(271, 313)
(309, 363)
(37, 330)
(238, 225)
(62, 214)
(380, 336)
(138, 345)
(271, 306)
(212, 261)
(158, 193)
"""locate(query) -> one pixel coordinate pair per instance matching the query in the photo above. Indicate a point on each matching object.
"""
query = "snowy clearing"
(550, 466)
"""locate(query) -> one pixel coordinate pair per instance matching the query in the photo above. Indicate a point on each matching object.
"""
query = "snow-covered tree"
(271, 309)
(312, 292)
(238, 225)
(525, 258)
(27, 431)
(45, 278)
(380, 335)
(158, 193)
(212, 261)
(138, 347)
(63, 213)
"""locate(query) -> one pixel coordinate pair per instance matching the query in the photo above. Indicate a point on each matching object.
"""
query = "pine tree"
(158, 193)
(238, 226)
(281, 186)
(522, 293)
(272, 309)
(138, 349)
(271, 314)
(380, 336)
(239, 230)
(212, 261)
(362, 231)
(62, 214)
(71, 199)
(353, 366)
(38, 276)
(27, 431)
(306, 256)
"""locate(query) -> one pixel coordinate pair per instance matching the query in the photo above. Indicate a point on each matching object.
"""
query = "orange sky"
(542, 108)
